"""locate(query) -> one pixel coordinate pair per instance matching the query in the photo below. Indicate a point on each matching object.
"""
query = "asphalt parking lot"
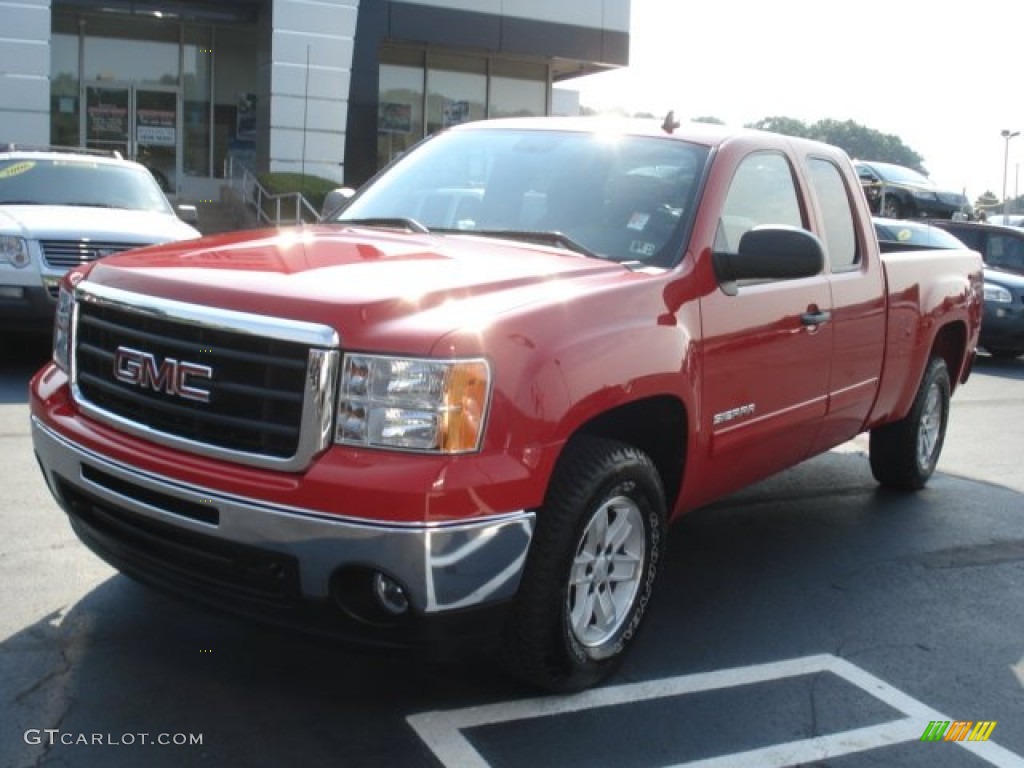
(810, 620)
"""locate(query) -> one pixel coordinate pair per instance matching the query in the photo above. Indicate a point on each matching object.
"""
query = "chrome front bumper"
(443, 567)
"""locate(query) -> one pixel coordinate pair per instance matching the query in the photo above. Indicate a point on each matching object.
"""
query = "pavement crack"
(60, 671)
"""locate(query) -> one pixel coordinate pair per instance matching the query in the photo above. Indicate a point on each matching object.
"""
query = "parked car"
(896, 192)
(62, 208)
(1001, 248)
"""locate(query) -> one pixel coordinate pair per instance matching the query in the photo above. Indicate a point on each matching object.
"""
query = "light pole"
(1007, 135)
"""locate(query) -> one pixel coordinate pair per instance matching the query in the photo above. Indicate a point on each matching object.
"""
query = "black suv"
(896, 192)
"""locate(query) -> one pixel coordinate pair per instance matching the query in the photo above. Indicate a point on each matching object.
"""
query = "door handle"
(815, 318)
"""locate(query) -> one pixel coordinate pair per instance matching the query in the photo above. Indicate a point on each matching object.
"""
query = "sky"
(944, 77)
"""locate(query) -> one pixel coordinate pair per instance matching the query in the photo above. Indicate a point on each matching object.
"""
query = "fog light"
(390, 594)
(12, 292)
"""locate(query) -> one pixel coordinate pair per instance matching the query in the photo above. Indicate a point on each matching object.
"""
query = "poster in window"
(106, 122)
(155, 126)
(455, 112)
(394, 117)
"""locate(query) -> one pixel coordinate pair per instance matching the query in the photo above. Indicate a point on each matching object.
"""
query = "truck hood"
(61, 222)
(370, 285)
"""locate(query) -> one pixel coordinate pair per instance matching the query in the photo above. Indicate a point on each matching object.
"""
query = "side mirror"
(770, 252)
(336, 200)
(188, 213)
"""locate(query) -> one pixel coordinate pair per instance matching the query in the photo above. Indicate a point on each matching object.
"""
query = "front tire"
(591, 568)
(903, 454)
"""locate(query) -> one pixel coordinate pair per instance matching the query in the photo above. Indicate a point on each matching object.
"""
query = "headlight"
(62, 329)
(13, 250)
(997, 293)
(436, 406)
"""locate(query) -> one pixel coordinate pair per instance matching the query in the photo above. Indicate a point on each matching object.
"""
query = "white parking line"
(442, 731)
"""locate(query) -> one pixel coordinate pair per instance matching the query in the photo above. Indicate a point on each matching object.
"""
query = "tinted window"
(972, 238)
(834, 201)
(762, 192)
(1005, 251)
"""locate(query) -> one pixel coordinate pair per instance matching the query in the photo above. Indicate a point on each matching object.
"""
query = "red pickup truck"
(469, 403)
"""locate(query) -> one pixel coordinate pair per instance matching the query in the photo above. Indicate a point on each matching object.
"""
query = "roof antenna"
(670, 123)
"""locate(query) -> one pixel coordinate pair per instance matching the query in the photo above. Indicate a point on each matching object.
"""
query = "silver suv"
(62, 208)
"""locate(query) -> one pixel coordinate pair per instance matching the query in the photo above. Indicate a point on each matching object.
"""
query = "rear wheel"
(591, 568)
(903, 454)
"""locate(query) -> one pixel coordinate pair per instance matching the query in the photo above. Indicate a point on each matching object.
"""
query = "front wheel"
(903, 454)
(591, 567)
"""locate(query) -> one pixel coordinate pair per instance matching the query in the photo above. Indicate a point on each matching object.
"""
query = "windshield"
(627, 198)
(912, 233)
(79, 182)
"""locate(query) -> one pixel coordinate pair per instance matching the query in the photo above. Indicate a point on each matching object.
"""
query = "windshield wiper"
(544, 237)
(391, 223)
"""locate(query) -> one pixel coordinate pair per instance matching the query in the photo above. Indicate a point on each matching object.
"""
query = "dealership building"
(332, 88)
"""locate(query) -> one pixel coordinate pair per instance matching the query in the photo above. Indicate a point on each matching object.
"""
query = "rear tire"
(903, 454)
(591, 568)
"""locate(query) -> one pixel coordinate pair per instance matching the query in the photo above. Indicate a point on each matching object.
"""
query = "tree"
(788, 126)
(987, 202)
(708, 119)
(859, 142)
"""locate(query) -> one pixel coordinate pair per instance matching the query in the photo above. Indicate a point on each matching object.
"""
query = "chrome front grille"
(266, 385)
(67, 254)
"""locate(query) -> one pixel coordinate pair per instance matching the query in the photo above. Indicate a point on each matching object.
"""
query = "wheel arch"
(950, 344)
(658, 426)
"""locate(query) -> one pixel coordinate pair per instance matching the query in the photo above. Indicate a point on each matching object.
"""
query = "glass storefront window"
(235, 109)
(459, 88)
(65, 114)
(197, 70)
(518, 89)
(400, 105)
(130, 50)
(456, 91)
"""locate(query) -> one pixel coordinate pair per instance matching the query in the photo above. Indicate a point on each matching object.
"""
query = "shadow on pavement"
(814, 561)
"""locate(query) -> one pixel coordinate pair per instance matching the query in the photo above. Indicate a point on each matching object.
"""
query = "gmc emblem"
(173, 377)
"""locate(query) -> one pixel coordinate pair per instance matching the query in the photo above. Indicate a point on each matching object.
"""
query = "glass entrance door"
(156, 134)
(140, 122)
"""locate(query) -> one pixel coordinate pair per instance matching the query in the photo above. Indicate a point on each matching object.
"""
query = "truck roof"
(707, 134)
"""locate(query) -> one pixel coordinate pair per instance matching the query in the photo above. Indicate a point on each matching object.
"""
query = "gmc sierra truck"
(467, 405)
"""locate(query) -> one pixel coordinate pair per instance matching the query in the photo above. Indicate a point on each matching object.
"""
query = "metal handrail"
(248, 186)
